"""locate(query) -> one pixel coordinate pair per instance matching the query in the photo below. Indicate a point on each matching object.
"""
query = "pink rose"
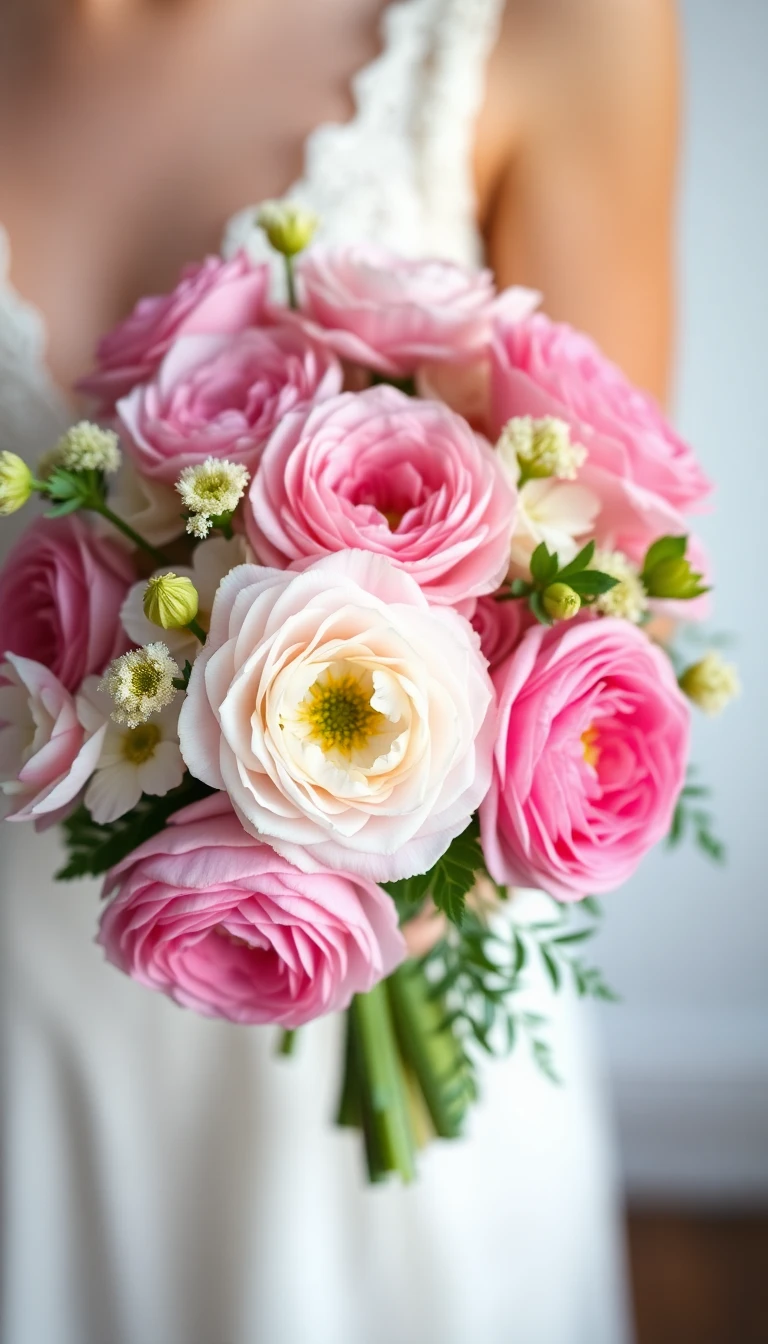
(350, 723)
(220, 923)
(392, 314)
(222, 396)
(46, 756)
(212, 297)
(501, 626)
(387, 473)
(590, 758)
(61, 590)
(541, 368)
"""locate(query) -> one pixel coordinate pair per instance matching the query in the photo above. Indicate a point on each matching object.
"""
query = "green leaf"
(409, 894)
(69, 506)
(592, 907)
(453, 876)
(537, 607)
(543, 565)
(666, 548)
(591, 582)
(551, 966)
(578, 563)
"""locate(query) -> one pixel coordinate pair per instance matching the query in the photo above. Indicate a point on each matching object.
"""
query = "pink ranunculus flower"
(46, 755)
(590, 758)
(349, 721)
(222, 396)
(61, 590)
(540, 368)
(384, 472)
(222, 924)
(212, 297)
(501, 626)
(390, 313)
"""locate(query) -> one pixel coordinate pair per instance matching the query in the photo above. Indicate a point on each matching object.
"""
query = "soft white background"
(687, 942)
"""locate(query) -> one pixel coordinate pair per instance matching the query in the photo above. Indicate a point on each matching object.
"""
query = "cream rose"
(350, 723)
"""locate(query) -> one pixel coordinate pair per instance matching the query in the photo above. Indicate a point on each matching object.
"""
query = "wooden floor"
(699, 1279)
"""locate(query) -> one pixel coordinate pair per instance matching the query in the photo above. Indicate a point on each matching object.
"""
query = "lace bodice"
(398, 172)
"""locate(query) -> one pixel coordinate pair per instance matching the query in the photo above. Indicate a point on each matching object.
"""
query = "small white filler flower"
(132, 761)
(209, 490)
(539, 458)
(534, 449)
(87, 447)
(629, 598)
(711, 683)
(140, 683)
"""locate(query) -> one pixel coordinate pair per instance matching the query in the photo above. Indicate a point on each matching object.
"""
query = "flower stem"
(386, 1124)
(287, 1042)
(429, 1047)
(197, 630)
(290, 277)
(129, 532)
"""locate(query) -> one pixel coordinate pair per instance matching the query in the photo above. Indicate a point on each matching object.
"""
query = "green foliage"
(667, 574)
(93, 849)
(693, 818)
(71, 490)
(546, 571)
(447, 883)
(479, 972)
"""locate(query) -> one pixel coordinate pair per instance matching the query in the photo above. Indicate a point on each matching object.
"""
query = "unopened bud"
(673, 578)
(171, 601)
(711, 683)
(16, 483)
(289, 227)
(561, 602)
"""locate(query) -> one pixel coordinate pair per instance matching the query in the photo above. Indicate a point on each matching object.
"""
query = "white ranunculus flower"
(349, 722)
(132, 761)
(211, 560)
(561, 513)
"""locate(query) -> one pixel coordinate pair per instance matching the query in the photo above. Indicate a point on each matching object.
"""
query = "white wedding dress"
(166, 1180)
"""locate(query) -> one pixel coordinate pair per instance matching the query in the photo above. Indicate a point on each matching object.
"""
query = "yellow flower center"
(139, 744)
(393, 519)
(339, 714)
(145, 678)
(589, 741)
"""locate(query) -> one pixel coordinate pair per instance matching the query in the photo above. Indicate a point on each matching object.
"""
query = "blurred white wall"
(686, 942)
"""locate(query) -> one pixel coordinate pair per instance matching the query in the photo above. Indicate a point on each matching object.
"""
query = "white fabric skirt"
(167, 1180)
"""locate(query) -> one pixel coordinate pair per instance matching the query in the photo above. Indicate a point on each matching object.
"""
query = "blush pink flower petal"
(222, 396)
(590, 758)
(392, 314)
(212, 297)
(46, 755)
(61, 590)
(540, 368)
(216, 920)
(380, 471)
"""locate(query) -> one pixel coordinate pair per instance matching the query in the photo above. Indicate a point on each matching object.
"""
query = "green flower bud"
(288, 226)
(171, 601)
(711, 683)
(16, 483)
(561, 602)
(673, 578)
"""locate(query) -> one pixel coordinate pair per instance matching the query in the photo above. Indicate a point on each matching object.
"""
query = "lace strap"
(464, 34)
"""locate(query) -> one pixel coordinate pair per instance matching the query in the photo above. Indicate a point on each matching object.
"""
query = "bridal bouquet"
(341, 623)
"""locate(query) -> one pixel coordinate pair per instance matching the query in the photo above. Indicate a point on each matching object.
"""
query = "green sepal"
(543, 565)
(591, 583)
(578, 563)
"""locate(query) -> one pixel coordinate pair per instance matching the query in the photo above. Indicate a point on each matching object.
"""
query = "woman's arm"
(575, 169)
